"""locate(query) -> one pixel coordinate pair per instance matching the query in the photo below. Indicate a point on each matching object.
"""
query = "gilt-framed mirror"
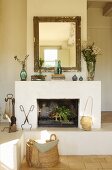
(57, 38)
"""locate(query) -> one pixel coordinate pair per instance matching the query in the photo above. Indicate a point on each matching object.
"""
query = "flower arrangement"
(22, 62)
(90, 51)
(23, 73)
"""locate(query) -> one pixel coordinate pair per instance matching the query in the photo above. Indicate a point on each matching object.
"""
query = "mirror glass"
(57, 38)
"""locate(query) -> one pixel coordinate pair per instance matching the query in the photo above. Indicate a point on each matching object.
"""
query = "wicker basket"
(35, 158)
(86, 120)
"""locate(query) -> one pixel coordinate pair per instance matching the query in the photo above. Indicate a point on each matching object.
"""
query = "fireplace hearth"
(58, 112)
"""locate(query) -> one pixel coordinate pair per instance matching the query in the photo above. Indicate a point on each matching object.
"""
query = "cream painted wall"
(12, 42)
(54, 8)
(16, 35)
(100, 31)
(13, 39)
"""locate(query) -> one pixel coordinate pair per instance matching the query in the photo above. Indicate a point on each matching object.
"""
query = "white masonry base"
(27, 93)
(79, 142)
(72, 141)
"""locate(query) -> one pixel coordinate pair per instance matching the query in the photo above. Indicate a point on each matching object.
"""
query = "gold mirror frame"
(77, 21)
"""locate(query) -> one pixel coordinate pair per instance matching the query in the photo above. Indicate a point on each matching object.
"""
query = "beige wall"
(16, 38)
(100, 31)
(16, 35)
(12, 42)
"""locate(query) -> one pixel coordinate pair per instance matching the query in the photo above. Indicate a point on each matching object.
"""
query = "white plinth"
(75, 141)
(27, 93)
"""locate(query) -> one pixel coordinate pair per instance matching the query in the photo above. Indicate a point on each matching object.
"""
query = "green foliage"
(40, 64)
(88, 54)
(88, 57)
(63, 112)
(90, 51)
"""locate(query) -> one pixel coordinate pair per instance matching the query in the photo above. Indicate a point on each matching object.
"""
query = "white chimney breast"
(27, 93)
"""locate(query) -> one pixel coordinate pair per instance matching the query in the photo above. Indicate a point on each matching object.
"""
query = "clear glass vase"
(91, 70)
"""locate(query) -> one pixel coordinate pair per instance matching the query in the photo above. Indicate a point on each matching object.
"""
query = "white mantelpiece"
(27, 93)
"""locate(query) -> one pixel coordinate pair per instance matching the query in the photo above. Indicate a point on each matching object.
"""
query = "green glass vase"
(91, 70)
(23, 74)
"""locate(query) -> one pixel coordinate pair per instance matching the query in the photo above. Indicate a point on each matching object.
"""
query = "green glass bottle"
(59, 69)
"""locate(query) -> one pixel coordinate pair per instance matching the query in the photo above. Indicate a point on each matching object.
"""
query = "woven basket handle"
(87, 104)
(53, 137)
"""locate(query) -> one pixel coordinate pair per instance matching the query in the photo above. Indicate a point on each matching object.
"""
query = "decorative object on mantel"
(86, 120)
(80, 78)
(74, 78)
(59, 68)
(58, 71)
(23, 73)
(58, 77)
(90, 51)
(26, 115)
(40, 76)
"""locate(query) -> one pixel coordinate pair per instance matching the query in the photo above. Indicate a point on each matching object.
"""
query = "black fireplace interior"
(58, 112)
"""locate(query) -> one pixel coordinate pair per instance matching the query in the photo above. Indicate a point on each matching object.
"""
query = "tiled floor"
(106, 117)
(78, 163)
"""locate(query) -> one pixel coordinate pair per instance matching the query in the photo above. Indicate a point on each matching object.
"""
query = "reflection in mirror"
(57, 42)
(57, 38)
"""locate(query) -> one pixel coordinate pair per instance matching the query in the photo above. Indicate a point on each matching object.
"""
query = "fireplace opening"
(58, 112)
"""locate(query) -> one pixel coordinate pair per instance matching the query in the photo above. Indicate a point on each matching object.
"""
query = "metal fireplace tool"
(26, 115)
(10, 113)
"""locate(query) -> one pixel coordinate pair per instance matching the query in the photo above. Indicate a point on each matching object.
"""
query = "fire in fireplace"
(58, 112)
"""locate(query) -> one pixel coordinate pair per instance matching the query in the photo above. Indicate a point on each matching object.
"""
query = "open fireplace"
(58, 112)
